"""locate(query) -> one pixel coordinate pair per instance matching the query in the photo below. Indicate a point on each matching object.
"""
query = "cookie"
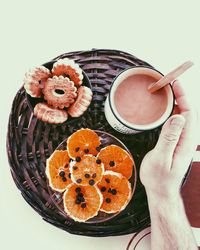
(59, 91)
(50, 114)
(68, 68)
(33, 81)
(82, 102)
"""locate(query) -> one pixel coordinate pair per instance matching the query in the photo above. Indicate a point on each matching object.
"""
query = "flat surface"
(33, 32)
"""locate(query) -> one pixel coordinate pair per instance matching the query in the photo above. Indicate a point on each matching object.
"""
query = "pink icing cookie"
(33, 81)
(69, 68)
(82, 102)
(59, 91)
(49, 114)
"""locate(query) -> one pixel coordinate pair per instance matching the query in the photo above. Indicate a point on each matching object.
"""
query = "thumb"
(170, 134)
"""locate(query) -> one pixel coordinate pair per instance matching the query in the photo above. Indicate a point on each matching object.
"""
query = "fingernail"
(178, 121)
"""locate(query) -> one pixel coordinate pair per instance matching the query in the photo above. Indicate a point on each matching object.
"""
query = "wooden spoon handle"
(171, 76)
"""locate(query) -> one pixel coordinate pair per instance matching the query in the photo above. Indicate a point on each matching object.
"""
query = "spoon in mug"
(171, 76)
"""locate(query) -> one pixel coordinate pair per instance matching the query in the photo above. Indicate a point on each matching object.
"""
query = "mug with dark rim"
(117, 121)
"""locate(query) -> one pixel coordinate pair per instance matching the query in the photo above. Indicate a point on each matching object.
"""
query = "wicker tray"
(30, 142)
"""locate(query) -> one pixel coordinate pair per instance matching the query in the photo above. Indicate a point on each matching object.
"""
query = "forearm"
(170, 229)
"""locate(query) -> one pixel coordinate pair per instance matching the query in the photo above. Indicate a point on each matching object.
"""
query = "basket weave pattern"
(30, 142)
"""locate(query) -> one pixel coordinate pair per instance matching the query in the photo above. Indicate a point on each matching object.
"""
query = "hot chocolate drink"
(135, 104)
(130, 108)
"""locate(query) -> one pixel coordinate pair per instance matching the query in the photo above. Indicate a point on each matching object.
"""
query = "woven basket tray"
(30, 142)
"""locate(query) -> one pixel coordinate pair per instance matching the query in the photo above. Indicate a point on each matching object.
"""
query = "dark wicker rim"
(30, 142)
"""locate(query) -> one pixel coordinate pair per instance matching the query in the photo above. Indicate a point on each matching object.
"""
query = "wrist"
(169, 197)
(169, 206)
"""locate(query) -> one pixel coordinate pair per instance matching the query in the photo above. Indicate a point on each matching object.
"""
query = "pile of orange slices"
(92, 178)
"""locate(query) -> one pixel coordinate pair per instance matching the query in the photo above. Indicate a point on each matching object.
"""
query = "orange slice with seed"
(87, 170)
(82, 202)
(83, 141)
(57, 170)
(116, 159)
(116, 191)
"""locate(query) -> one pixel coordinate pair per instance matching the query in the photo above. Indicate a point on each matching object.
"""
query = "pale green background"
(164, 33)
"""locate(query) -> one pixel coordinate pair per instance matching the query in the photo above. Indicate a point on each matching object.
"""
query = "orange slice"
(83, 141)
(116, 191)
(87, 171)
(116, 159)
(82, 202)
(57, 170)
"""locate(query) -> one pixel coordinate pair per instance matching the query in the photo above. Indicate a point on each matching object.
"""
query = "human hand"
(163, 168)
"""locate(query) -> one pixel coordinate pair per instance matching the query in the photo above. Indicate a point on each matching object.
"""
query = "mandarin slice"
(87, 170)
(83, 141)
(116, 191)
(57, 170)
(116, 159)
(82, 202)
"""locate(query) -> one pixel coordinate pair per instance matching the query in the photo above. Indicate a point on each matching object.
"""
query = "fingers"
(187, 141)
(181, 98)
(176, 110)
(169, 136)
